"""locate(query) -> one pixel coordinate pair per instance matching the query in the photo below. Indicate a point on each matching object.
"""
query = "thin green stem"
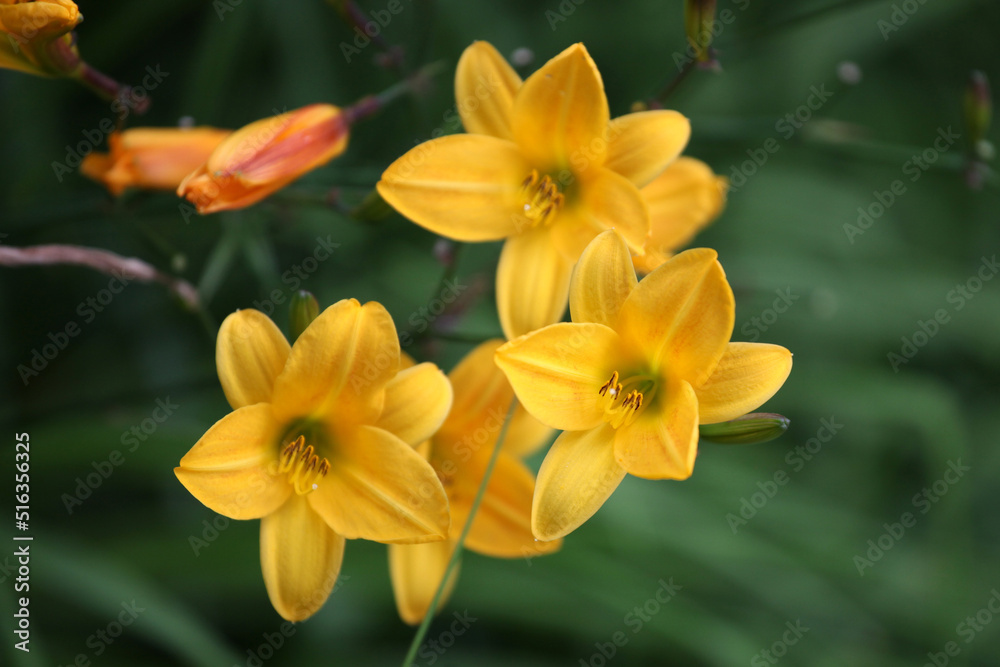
(414, 83)
(672, 86)
(457, 554)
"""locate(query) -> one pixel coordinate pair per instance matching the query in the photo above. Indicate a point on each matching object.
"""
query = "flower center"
(304, 468)
(541, 199)
(624, 401)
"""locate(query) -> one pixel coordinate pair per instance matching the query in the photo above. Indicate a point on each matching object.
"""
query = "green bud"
(751, 429)
(302, 310)
(978, 107)
(699, 17)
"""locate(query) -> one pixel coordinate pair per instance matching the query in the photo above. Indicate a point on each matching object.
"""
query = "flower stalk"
(457, 554)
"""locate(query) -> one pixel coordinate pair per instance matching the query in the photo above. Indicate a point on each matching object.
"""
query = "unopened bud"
(751, 429)
(978, 108)
(302, 310)
(699, 19)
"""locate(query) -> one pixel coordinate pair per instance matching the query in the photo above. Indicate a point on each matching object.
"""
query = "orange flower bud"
(265, 156)
(29, 28)
(152, 158)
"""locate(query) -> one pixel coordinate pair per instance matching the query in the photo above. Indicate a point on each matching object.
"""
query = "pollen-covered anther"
(620, 407)
(304, 468)
(540, 198)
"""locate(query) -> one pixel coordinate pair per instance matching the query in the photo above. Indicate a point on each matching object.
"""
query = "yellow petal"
(482, 397)
(682, 200)
(561, 113)
(641, 145)
(232, 468)
(379, 488)
(747, 375)
(558, 371)
(466, 187)
(602, 280)
(578, 474)
(502, 526)
(300, 558)
(525, 434)
(250, 353)
(339, 366)
(416, 571)
(417, 401)
(532, 283)
(663, 442)
(682, 315)
(485, 85)
(606, 201)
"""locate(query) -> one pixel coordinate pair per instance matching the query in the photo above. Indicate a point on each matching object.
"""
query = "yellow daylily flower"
(459, 452)
(152, 158)
(34, 35)
(681, 201)
(319, 445)
(543, 166)
(259, 159)
(629, 380)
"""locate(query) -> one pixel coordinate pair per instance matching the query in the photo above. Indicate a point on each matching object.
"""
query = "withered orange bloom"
(152, 158)
(265, 156)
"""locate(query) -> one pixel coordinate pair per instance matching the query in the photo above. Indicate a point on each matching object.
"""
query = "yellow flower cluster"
(342, 436)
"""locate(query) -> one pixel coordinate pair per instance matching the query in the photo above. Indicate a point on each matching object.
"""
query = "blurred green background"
(791, 561)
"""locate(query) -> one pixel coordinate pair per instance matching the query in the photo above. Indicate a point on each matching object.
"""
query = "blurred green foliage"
(848, 304)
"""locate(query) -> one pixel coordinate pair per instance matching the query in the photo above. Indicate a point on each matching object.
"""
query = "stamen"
(304, 467)
(626, 411)
(540, 198)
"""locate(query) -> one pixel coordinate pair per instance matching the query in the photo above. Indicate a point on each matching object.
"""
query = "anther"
(303, 466)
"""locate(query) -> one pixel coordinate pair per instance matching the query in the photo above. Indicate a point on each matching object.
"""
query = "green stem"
(457, 554)
(370, 104)
(672, 86)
